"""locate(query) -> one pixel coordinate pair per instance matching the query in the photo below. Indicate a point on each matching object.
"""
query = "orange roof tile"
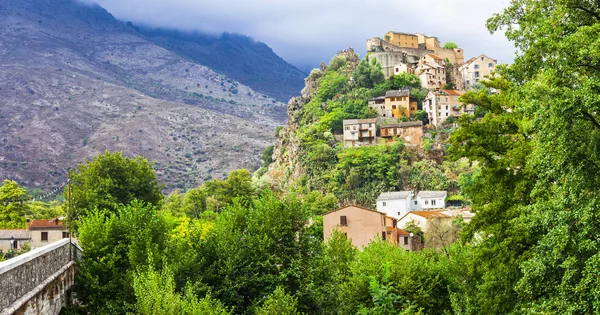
(429, 214)
(453, 92)
(46, 224)
(435, 57)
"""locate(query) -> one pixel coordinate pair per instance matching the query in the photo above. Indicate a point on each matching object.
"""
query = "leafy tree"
(368, 74)
(279, 303)
(450, 45)
(110, 180)
(115, 244)
(13, 205)
(404, 80)
(422, 116)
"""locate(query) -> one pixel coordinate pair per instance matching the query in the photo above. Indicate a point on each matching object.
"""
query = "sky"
(306, 32)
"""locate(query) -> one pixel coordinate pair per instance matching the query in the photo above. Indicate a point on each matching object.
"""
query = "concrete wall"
(395, 208)
(36, 282)
(53, 236)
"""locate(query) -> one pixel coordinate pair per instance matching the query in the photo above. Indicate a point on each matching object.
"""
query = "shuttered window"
(383, 235)
(44, 236)
(343, 220)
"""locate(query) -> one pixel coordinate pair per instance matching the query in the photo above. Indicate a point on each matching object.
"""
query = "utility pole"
(70, 215)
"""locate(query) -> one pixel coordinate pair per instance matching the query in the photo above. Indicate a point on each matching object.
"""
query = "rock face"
(75, 82)
(286, 167)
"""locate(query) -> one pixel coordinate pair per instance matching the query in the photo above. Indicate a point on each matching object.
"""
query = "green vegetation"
(450, 45)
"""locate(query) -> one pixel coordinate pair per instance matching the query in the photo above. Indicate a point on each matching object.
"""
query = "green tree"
(110, 180)
(404, 80)
(450, 45)
(13, 205)
(115, 244)
(368, 74)
(279, 303)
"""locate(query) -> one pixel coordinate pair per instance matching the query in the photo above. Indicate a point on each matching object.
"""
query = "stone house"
(377, 104)
(476, 69)
(44, 232)
(428, 199)
(403, 40)
(411, 132)
(432, 75)
(441, 104)
(456, 55)
(359, 132)
(362, 225)
(20, 237)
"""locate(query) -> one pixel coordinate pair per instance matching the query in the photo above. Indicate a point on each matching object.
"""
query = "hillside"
(237, 56)
(75, 81)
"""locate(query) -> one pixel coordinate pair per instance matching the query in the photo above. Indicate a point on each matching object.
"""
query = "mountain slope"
(74, 81)
(237, 56)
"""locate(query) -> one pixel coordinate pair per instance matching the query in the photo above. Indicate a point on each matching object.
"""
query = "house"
(411, 132)
(432, 75)
(404, 40)
(362, 225)
(377, 104)
(397, 104)
(359, 132)
(456, 55)
(476, 69)
(19, 237)
(404, 68)
(44, 232)
(395, 204)
(434, 59)
(441, 104)
(419, 218)
(431, 199)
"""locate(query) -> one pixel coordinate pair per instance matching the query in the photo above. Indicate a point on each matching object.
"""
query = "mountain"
(236, 56)
(74, 81)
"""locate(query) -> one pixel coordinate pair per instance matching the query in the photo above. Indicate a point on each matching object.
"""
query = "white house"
(419, 218)
(395, 204)
(428, 199)
(359, 132)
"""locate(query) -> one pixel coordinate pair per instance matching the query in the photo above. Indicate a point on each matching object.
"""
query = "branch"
(590, 12)
(591, 118)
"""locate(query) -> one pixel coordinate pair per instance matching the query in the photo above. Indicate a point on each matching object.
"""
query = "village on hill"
(444, 76)
(402, 217)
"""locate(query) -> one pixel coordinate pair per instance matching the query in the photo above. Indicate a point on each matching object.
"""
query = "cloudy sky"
(307, 32)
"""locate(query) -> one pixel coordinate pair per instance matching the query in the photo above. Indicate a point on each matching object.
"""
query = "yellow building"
(404, 40)
(397, 104)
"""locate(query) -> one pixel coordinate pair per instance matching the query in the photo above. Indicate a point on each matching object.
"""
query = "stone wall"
(36, 282)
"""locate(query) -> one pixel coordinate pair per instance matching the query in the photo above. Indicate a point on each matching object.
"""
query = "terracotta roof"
(435, 57)
(46, 224)
(355, 206)
(17, 234)
(402, 232)
(454, 92)
(396, 93)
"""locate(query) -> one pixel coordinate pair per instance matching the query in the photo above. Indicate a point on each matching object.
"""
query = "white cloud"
(306, 32)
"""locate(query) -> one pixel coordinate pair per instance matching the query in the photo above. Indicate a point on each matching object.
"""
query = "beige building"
(432, 75)
(404, 68)
(404, 40)
(477, 68)
(419, 218)
(362, 225)
(19, 238)
(411, 132)
(43, 232)
(456, 55)
(441, 104)
(359, 132)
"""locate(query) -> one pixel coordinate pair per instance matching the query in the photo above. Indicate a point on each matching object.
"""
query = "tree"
(279, 303)
(110, 180)
(422, 116)
(13, 205)
(450, 45)
(404, 80)
(368, 74)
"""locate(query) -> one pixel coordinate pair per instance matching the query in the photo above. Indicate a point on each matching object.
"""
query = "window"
(347, 128)
(405, 240)
(426, 202)
(383, 235)
(384, 204)
(446, 114)
(44, 236)
(65, 235)
(446, 107)
(415, 202)
(399, 213)
(343, 220)
(490, 65)
(476, 74)
(476, 67)
(433, 202)
(16, 245)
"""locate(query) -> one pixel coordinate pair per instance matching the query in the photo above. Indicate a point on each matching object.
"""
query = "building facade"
(441, 104)
(432, 75)
(397, 103)
(395, 204)
(403, 40)
(43, 232)
(411, 132)
(362, 226)
(19, 237)
(477, 68)
(359, 132)
(428, 199)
